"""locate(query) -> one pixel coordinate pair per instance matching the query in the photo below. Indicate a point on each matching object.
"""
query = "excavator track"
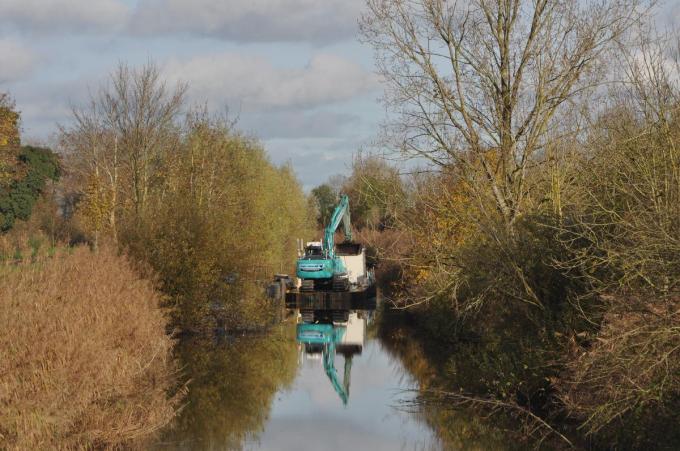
(340, 284)
(307, 285)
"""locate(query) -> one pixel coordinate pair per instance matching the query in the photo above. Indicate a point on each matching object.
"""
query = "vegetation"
(232, 387)
(34, 167)
(194, 205)
(208, 252)
(196, 200)
(24, 171)
(325, 199)
(536, 255)
(538, 252)
(84, 358)
(9, 122)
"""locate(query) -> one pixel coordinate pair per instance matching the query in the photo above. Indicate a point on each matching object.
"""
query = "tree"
(625, 230)
(224, 218)
(326, 198)
(478, 83)
(33, 168)
(375, 190)
(118, 141)
(9, 122)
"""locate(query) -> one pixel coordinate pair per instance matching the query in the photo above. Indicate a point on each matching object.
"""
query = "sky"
(291, 71)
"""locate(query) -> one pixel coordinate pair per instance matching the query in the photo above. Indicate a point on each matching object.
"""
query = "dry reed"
(84, 358)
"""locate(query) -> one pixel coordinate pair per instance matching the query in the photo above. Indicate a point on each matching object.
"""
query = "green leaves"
(325, 198)
(17, 200)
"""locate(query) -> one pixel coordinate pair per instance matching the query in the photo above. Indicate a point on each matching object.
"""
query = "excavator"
(327, 337)
(320, 267)
(331, 338)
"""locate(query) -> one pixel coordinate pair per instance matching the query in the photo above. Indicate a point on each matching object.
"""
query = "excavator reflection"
(328, 339)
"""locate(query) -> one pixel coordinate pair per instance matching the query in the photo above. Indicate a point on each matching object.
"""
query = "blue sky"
(291, 70)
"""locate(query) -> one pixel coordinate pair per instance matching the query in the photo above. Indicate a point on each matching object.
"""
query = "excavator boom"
(340, 214)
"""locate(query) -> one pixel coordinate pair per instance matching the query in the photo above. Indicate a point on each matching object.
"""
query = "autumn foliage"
(9, 122)
(185, 193)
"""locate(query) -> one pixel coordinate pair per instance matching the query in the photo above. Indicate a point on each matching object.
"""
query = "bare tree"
(625, 231)
(478, 83)
(141, 111)
(117, 141)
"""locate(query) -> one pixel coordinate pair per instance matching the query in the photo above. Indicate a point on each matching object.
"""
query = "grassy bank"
(84, 358)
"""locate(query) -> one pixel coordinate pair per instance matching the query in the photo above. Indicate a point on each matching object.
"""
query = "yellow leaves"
(96, 205)
(227, 218)
(9, 127)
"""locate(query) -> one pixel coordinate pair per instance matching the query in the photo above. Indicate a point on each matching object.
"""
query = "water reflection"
(232, 384)
(291, 390)
(326, 339)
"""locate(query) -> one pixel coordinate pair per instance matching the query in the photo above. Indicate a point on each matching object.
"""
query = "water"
(320, 387)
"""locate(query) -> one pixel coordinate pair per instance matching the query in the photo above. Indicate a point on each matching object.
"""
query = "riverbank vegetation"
(536, 254)
(186, 193)
(153, 219)
(84, 357)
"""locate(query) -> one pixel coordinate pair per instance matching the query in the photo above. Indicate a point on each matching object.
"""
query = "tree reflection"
(232, 383)
(457, 428)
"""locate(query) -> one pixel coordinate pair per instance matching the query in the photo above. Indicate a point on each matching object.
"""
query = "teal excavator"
(327, 337)
(320, 267)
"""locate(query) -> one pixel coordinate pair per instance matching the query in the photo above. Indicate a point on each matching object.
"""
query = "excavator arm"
(340, 214)
(328, 336)
(329, 366)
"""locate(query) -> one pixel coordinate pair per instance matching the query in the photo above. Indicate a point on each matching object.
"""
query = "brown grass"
(84, 358)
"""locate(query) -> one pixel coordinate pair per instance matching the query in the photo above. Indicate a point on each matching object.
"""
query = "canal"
(299, 388)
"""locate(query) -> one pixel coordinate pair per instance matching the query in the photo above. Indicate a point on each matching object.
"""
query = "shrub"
(34, 166)
(225, 219)
(84, 357)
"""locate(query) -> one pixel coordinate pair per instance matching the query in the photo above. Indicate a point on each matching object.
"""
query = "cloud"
(45, 104)
(296, 124)
(251, 20)
(314, 159)
(254, 84)
(40, 16)
(335, 432)
(17, 61)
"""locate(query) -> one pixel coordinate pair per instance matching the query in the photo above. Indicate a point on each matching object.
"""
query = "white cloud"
(16, 61)
(47, 16)
(251, 20)
(254, 84)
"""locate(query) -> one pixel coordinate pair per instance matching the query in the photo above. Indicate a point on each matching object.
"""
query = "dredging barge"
(331, 279)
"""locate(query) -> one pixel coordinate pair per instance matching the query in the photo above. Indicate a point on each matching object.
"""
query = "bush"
(84, 358)
(34, 166)
(224, 221)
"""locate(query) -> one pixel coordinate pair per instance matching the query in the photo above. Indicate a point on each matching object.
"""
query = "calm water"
(321, 387)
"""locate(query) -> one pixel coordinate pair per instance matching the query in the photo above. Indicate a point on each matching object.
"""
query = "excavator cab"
(313, 250)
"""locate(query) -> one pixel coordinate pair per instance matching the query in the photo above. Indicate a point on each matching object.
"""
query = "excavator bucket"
(348, 248)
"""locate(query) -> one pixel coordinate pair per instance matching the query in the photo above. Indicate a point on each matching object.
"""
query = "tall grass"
(84, 358)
